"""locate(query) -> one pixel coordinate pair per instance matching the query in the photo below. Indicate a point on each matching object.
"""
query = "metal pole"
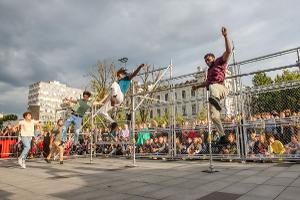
(298, 56)
(174, 110)
(211, 167)
(91, 135)
(133, 124)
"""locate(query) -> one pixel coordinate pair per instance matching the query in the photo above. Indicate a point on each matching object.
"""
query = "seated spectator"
(125, 132)
(188, 147)
(161, 145)
(261, 146)
(294, 146)
(147, 148)
(276, 146)
(192, 133)
(251, 142)
(179, 146)
(230, 145)
(199, 146)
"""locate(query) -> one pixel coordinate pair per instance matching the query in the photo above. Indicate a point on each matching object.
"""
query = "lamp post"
(123, 60)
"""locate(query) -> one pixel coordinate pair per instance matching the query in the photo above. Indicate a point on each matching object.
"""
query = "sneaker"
(47, 160)
(23, 165)
(61, 162)
(215, 102)
(20, 161)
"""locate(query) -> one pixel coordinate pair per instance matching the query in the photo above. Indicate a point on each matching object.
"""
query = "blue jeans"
(77, 124)
(26, 140)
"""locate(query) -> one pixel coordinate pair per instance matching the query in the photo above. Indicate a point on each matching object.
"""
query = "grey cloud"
(44, 40)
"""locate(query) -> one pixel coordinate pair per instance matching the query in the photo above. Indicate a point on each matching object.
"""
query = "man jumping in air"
(78, 111)
(118, 90)
(215, 82)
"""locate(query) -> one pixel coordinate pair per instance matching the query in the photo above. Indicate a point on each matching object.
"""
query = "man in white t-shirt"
(26, 127)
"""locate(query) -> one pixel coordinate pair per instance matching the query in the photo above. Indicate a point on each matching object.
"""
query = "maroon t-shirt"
(216, 73)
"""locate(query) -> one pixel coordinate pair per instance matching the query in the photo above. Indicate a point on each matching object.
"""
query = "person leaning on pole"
(215, 82)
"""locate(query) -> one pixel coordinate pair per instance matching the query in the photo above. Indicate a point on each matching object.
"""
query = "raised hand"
(224, 31)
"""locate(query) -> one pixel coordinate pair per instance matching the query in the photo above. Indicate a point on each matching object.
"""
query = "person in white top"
(26, 127)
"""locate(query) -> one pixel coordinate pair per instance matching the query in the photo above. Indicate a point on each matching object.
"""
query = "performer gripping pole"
(118, 90)
(215, 82)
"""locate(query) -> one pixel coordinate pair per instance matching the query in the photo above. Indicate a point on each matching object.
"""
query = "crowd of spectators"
(267, 134)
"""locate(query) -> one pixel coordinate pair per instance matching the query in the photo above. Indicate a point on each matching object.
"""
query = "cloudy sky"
(62, 39)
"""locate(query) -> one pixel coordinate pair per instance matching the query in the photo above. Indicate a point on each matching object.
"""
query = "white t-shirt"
(27, 127)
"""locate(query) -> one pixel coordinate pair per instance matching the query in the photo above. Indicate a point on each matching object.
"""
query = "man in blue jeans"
(78, 111)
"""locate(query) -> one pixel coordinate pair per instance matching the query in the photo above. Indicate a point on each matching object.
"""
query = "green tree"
(261, 79)
(202, 114)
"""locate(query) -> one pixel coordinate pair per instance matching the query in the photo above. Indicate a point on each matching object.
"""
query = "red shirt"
(216, 73)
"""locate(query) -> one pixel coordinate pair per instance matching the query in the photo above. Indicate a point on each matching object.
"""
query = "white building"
(45, 99)
(188, 102)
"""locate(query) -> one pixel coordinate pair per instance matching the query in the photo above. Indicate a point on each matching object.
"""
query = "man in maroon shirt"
(215, 82)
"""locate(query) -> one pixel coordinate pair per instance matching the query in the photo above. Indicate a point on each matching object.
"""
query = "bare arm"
(227, 53)
(131, 76)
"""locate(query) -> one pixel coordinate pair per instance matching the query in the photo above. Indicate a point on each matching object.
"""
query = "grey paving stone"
(266, 191)
(249, 197)
(255, 179)
(247, 172)
(296, 183)
(290, 193)
(216, 185)
(279, 181)
(289, 174)
(220, 195)
(239, 188)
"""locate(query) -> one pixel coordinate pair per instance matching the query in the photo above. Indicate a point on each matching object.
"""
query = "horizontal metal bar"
(262, 71)
(155, 70)
(260, 58)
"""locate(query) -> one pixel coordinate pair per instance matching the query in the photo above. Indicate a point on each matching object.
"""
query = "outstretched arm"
(131, 76)
(227, 53)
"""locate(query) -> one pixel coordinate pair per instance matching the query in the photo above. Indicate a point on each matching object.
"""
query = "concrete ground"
(108, 178)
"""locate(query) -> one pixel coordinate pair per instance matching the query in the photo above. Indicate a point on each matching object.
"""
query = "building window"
(151, 114)
(176, 95)
(183, 94)
(184, 110)
(194, 109)
(193, 93)
(166, 110)
(158, 97)
(166, 97)
(158, 112)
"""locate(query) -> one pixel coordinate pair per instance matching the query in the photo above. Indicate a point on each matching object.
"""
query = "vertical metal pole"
(298, 56)
(211, 167)
(91, 140)
(133, 123)
(173, 123)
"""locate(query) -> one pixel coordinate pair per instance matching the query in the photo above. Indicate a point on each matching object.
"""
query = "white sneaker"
(23, 165)
(20, 161)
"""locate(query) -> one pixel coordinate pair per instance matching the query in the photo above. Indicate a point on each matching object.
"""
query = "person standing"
(56, 135)
(215, 82)
(26, 127)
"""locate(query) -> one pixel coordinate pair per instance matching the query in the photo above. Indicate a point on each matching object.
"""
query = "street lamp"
(123, 60)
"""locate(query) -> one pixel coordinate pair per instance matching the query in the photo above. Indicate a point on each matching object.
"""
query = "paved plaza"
(108, 178)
